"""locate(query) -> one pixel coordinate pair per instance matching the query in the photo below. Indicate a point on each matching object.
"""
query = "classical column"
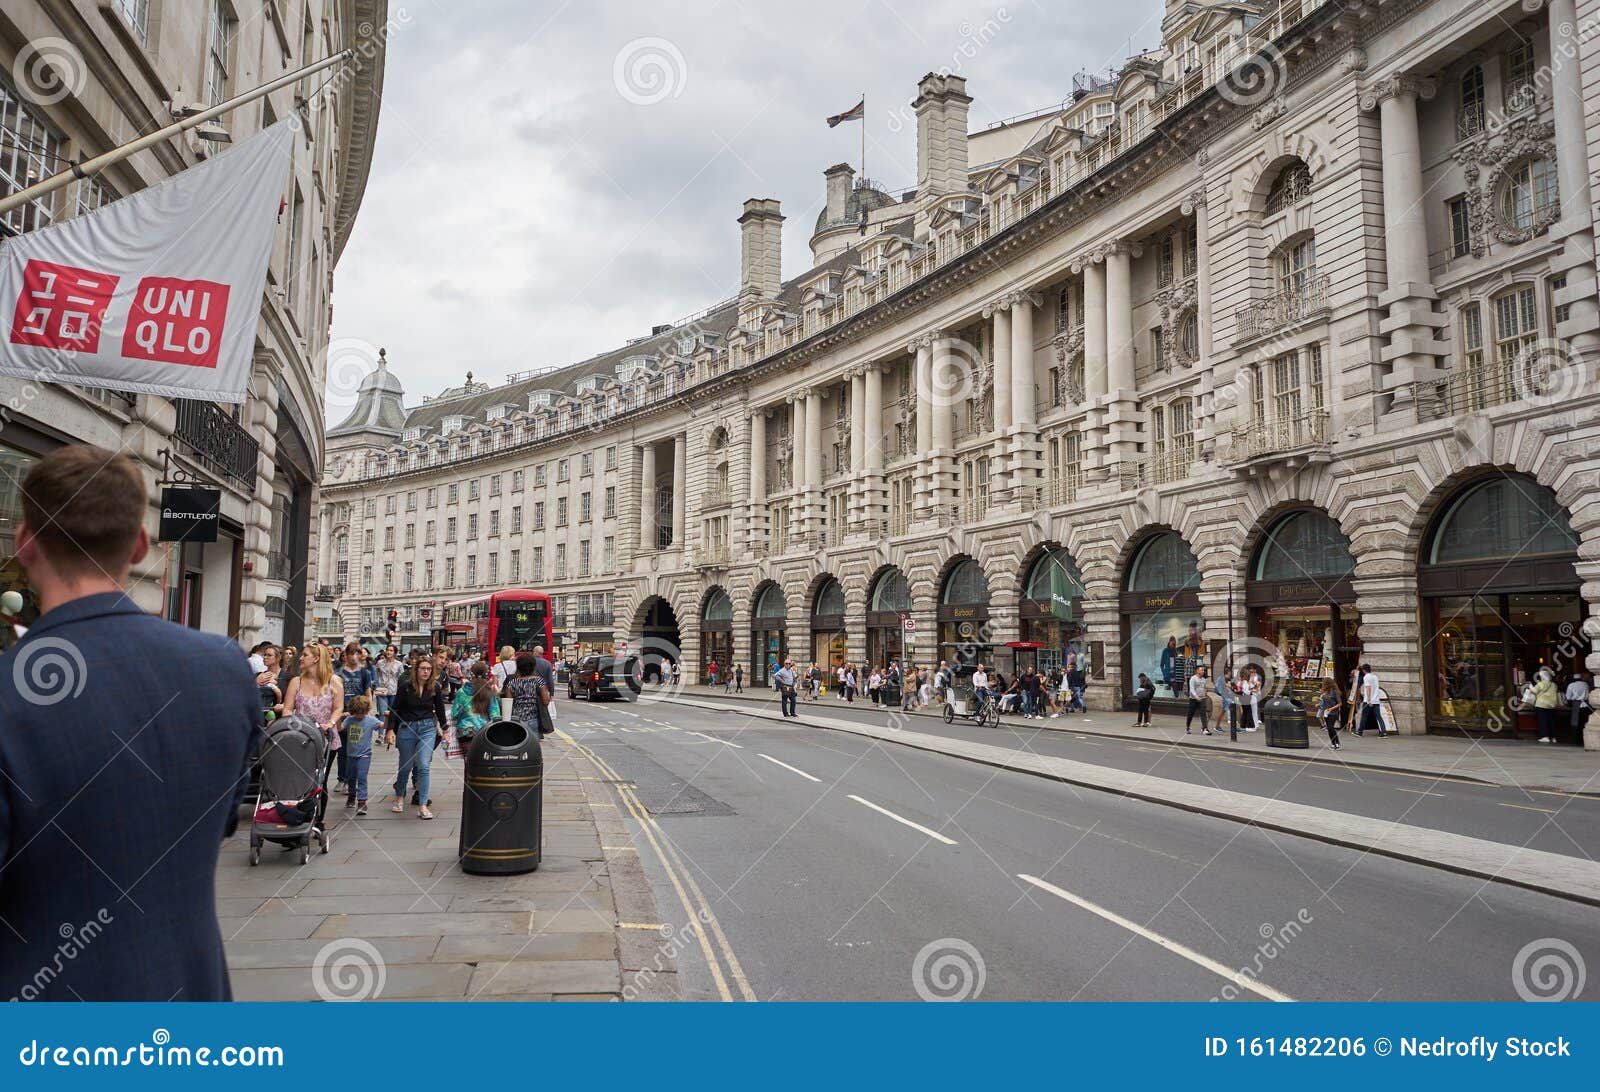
(941, 462)
(756, 501)
(797, 464)
(679, 487)
(858, 446)
(1003, 342)
(814, 442)
(923, 347)
(1094, 329)
(873, 504)
(1195, 205)
(1023, 395)
(1582, 328)
(1119, 321)
(1413, 351)
(647, 498)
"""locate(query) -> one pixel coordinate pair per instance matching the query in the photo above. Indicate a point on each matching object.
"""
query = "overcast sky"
(552, 179)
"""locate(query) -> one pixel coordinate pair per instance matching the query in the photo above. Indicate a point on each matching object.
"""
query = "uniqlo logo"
(61, 307)
(176, 322)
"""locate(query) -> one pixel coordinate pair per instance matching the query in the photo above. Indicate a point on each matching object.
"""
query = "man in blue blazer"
(123, 748)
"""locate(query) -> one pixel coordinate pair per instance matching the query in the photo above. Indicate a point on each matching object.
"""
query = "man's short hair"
(84, 505)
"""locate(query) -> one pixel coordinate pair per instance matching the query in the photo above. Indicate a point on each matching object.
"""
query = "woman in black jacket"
(415, 718)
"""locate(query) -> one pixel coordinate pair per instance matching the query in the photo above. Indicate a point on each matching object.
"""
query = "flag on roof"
(855, 113)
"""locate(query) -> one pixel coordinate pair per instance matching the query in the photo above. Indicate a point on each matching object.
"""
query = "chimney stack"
(941, 106)
(760, 249)
(840, 178)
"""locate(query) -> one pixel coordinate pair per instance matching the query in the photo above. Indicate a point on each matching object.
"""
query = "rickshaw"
(961, 699)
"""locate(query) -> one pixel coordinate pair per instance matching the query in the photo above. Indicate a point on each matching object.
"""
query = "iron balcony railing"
(1272, 313)
(1498, 381)
(713, 557)
(1260, 438)
(1171, 465)
(219, 442)
(716, 496)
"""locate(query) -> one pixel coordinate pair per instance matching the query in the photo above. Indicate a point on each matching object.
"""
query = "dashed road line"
(788, 767)
(935, 835)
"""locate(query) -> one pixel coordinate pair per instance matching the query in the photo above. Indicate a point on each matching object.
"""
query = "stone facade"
(1325, 256)
(81, 77)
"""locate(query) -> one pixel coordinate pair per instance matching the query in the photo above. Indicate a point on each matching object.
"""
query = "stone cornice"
(366, 26)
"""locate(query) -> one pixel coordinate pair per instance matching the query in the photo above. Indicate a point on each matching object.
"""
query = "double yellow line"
(694, 902)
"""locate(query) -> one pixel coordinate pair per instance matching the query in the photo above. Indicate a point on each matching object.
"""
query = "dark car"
(597, 677)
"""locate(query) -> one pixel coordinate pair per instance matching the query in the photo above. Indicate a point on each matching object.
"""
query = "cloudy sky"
(551, 179)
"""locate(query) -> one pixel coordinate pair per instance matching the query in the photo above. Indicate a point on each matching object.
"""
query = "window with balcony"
(1064, 467)
(1165, 264)
(1469, 103)
(1297, 266)
(975, 487)
(1516, 330)
(1191, 248)
(778, 521)
(1520, 76)
(1292, 185)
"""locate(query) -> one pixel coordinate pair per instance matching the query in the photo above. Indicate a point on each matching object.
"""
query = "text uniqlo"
(61, 307)
(176, 321)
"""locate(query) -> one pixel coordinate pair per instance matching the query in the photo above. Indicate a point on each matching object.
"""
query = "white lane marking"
(724, 742)
(1238, 978)
(788, 767)
(1418, 792)
(902, 819)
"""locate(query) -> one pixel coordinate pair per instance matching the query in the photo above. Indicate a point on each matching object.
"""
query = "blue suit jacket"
(123, 743)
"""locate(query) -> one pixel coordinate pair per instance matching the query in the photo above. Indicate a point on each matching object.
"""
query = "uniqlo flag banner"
(158, 293)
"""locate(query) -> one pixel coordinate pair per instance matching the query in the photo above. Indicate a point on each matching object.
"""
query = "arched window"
(1163, 562)
(1501, 518)
(1291, 186)
(966, 584)
(1469, 106)
(890, 592)
(1189, 336)
(718, 607)
(830, 598)
(1054, 573)
(770, 605)
(1529, 198)
(1303, 544)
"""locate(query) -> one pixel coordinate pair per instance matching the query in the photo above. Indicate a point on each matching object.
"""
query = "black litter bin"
(1286, 723)
(503, 804)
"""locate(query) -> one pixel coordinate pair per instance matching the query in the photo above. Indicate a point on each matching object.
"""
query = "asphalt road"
(841, 868)
(1556, 822)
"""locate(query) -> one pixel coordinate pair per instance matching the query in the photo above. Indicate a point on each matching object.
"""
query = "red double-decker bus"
(486, 623)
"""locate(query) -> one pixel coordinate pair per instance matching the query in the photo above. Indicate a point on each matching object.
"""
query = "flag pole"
(91, 167)
(863, 138)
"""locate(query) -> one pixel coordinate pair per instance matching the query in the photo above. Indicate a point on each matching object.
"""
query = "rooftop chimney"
(840, 177)
(760, 249)
(941, 106)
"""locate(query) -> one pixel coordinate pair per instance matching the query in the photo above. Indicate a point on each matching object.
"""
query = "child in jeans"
(359, 727)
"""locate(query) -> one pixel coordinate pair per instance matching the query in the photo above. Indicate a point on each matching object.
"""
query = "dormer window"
(454, 423)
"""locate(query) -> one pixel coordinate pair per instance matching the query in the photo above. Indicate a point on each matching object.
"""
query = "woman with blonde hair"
(415, 717)
(318, 695)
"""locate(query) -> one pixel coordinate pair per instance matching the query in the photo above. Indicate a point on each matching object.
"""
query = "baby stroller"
(292, 803)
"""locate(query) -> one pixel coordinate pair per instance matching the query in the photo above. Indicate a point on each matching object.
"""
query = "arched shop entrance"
(1052, 608)
(1161, 625)
(964, 615)
(716, 633)
(887, 606)
(1500, 597)
(769, 637)
(662, 642)
(827, 625)
(1301, 601)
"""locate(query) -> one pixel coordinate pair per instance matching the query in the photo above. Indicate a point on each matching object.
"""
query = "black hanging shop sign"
(189, 513)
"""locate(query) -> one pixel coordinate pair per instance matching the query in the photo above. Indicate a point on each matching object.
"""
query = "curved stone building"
(1278, 345)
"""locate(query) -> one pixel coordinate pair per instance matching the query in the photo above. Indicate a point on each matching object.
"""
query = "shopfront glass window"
(966, 584)
(1301, 545)
(1502, 517)
(1164, 563)
(891, 592)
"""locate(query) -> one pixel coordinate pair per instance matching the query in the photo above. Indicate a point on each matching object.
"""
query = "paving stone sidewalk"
(387, 914)
(1518, 763)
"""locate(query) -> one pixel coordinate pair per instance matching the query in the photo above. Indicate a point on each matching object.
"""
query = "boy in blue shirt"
(359, 726)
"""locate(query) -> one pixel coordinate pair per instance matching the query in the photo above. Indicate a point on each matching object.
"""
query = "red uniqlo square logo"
(61, 307)
(176, 322)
